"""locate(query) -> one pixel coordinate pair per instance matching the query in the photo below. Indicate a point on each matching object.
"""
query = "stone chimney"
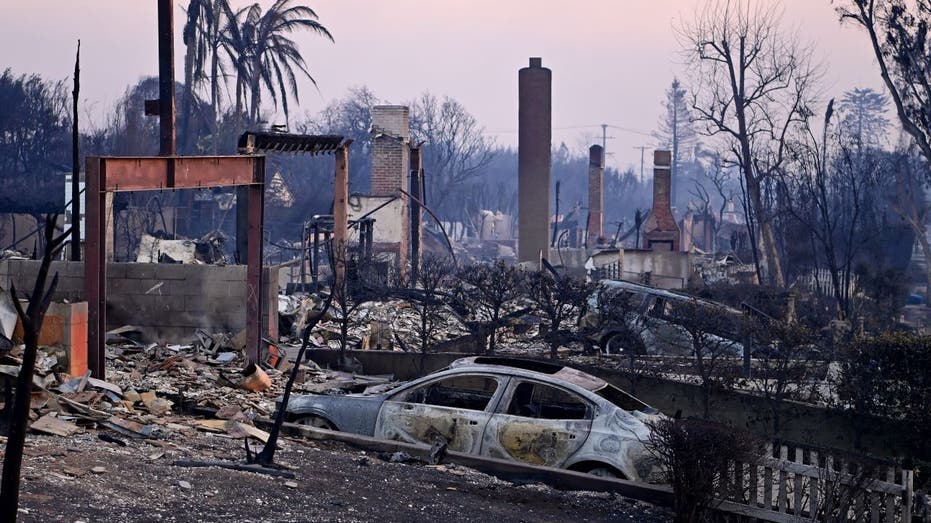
(534, 140)
(391, 169)
(661, 233)
(596, 172)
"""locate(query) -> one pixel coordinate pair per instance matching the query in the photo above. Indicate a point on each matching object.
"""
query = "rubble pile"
(161, 391)
(376, 325)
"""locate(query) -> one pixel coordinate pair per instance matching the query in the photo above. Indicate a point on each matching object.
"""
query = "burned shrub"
(483, 291)
(558, 299)
(696, 456)
(785, 354)
(888, 376)
(712, 333)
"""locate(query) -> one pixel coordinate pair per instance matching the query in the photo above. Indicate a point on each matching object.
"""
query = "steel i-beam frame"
(106, 175)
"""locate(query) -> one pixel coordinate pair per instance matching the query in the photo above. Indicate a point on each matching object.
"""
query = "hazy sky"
(611, 59)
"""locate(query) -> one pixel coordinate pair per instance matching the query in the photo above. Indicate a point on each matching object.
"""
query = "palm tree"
(212, 28)
(265, 57)
(194, 57)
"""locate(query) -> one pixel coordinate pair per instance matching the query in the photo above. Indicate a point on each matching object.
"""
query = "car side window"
(536, 400)
(470, 392)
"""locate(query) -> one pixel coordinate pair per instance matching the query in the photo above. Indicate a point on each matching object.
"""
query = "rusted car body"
(534, 412)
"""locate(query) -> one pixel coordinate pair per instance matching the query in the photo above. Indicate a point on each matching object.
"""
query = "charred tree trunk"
(32, 319)
(76, 163)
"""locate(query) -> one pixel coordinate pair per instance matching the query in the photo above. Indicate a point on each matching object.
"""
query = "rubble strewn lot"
(107, 451)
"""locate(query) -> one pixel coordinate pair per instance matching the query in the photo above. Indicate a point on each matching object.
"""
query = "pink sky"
(611, 59)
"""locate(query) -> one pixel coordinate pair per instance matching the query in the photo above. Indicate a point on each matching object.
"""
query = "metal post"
(315, 261)
(242, 223)
(254, 271)
(166, 78)
(340, 212)
(303, 271)
(416, 214)
(95, 267)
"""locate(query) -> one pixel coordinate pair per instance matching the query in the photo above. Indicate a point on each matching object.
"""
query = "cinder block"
(226, 273)
(185, 288)
(218, 289)
(123, 287)
(140, 270)
(116, 270)
(237, 290)
(175, 271)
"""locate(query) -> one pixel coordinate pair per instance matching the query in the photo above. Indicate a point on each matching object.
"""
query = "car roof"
(664, 293)
(528, 366)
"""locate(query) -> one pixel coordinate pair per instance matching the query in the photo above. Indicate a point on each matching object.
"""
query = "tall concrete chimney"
(534, 142)
(661, 233)
(596, 173)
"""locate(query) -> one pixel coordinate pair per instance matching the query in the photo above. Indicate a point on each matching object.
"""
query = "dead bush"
(696, 456)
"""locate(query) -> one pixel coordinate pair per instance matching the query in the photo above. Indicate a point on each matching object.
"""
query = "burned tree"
(558, 298)
(428, 297)
(31, 318)
(355, 280)
(752, 83)
(483, 291)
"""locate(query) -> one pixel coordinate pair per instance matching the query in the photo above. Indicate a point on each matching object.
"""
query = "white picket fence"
(795, 484)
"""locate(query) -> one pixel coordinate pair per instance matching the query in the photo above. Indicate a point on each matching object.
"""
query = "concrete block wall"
(167, 301)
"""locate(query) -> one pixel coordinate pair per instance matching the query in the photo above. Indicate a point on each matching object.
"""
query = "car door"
(669, 338)
(453, 409)
(538, 423)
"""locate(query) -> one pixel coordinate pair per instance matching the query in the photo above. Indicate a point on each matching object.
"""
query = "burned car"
(524, 410)
(629, 317)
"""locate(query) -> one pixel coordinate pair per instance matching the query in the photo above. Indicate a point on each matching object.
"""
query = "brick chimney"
(390, 136)
(390, 166)
(661, 233)
(596, 172)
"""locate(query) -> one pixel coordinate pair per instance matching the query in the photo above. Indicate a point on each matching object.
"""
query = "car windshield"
(623, 399)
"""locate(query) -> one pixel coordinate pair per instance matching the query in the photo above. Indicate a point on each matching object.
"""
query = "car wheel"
(618, 343)
(316, 422)
(604, 472)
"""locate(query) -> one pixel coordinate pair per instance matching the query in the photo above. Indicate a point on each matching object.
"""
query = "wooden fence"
(795, 483)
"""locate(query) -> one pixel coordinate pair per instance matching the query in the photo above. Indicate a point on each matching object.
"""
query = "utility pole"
(604, 140)
(642, 149)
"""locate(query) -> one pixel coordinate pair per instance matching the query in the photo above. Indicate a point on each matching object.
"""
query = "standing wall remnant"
(534, 161)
